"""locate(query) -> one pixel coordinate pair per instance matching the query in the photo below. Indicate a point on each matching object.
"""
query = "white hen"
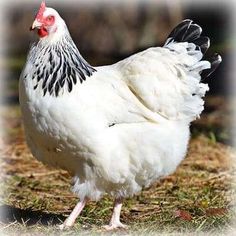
(115, 128)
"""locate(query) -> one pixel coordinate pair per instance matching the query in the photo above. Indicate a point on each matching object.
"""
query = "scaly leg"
(74, 214)
(115, 219)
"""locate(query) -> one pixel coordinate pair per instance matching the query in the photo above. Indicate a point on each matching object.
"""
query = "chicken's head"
(47, 21)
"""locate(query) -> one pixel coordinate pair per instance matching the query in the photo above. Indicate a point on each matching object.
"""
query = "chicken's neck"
(57, 66)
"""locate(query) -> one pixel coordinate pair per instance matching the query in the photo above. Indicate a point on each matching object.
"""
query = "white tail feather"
(190, 56)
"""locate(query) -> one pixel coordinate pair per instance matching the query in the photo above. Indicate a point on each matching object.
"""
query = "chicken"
(116, 129)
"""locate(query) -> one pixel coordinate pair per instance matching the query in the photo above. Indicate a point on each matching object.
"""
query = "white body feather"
(72, 131)
(124, 127)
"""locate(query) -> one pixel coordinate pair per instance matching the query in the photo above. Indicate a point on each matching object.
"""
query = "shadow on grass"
(10, 214)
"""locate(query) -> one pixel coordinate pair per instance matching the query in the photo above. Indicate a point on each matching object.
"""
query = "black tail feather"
(178, 33)
(194, 31)
(203, 43)
(189, 32)
(215, 62)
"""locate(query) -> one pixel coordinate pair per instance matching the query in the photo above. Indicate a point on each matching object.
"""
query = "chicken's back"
(168, 80)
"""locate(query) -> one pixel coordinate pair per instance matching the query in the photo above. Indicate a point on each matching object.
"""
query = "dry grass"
(198, 197)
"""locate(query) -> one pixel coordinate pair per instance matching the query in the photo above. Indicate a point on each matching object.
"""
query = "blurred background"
(106, 33)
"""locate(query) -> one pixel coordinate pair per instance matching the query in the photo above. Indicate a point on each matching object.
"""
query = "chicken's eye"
(50, 19)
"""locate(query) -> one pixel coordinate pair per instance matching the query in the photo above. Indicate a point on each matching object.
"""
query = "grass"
(197, 198)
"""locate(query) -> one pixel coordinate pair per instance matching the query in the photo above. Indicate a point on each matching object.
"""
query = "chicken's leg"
(74, 214)
(115, 219)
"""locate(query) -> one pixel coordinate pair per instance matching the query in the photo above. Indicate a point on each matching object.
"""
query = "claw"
(64, 226)
(115, 226)
(67, 226)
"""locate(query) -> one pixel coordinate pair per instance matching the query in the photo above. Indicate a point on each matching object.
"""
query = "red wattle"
(42, 32)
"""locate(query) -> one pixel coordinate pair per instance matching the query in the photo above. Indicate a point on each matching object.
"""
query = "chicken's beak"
(36, 25)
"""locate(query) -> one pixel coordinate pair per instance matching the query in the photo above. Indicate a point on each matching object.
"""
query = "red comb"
(41, 11)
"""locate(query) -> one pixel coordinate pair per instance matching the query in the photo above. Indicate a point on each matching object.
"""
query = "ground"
(198, 197)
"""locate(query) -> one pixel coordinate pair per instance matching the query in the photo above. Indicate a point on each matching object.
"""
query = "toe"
(61, 227)
(107, 227)
(115, 226)
(64, 226)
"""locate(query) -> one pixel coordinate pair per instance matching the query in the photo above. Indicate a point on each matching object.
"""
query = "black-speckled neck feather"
(58, 66)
